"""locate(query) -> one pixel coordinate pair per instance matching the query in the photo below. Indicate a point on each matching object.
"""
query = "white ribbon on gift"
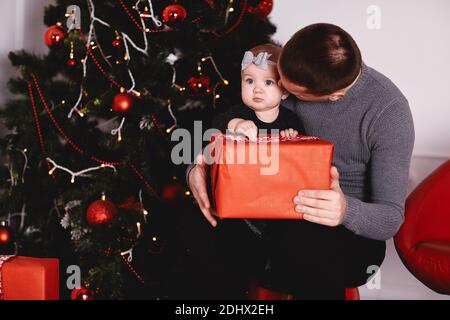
(3, 259)
(268, 138)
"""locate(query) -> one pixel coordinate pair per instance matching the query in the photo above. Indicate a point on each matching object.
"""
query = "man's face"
(300, 92)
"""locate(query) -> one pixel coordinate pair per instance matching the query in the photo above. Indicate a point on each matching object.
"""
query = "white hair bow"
(261, 60)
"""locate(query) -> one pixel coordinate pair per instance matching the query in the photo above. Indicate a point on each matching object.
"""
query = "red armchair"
(259, 293)
(423, 241)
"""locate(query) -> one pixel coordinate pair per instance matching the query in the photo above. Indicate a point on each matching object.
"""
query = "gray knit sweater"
(373, 133)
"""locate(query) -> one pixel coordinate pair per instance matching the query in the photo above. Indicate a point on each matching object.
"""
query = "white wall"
(411, 47)
(22, 28)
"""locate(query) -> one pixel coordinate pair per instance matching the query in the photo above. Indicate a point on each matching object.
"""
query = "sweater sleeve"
(391, 139)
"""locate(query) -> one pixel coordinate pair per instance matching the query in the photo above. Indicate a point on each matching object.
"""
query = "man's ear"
(335, 96)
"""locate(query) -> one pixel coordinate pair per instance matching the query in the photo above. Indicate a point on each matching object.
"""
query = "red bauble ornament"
(174, 13)
(54, 35)
(5, 235)
(72, 62)
(122, 103)
(200, 84)
(116, 43)
(210, 3)
(101, 212)
(264, 8)
(81, 293)
(173, 191)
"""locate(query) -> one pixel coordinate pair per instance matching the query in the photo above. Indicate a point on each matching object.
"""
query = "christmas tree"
(88, 175)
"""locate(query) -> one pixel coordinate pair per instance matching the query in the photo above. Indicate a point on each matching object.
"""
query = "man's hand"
(325, 207)
(197, 184)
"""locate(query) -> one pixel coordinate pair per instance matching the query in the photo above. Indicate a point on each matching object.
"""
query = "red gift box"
(259, 180)
(24, 278)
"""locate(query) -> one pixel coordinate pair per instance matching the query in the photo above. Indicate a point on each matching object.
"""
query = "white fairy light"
(81, 173)
(118, 131)
(144, 212)
(133, 84)
(138, 226)
(157, 22)
(215, 68)
(169, 107)
(22, 215)
(129, 253)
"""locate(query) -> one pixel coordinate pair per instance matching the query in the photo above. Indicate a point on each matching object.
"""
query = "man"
(368, 119)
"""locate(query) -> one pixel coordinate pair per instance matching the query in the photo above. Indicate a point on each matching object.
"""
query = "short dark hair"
(321, 57)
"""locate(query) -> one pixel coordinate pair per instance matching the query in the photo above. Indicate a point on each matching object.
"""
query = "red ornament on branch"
(173, 191)
(54, 35)
(81, 293)
(5, 235)
(264, 8)
(116, 43)
(71, 62)
(101, 212)
(122, 103)
(174, 13)
(200, 84)
(210, 3)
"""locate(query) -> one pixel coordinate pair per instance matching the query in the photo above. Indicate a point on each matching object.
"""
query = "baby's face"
(259, 88)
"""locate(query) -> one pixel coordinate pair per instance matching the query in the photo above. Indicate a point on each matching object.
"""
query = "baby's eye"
(249, 81)
(269, 82)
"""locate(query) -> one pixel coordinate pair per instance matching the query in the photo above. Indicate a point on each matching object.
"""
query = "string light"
(138, 225)
(145, 212)
(129, 253)
(127, 262)
(151, 14)
(118, 131)
(150, 189)
(127, 55)
(81, 173)
(169, 107)
(22, 215)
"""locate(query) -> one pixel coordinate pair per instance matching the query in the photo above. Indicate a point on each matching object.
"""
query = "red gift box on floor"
(259, 180)
(24, 278)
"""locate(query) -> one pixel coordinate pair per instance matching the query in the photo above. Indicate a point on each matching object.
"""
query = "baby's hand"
(247, 128)
(289, 133)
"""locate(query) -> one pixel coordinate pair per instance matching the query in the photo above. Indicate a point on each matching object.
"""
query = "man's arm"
(196, 172)
(391, 138)
(196, 178)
